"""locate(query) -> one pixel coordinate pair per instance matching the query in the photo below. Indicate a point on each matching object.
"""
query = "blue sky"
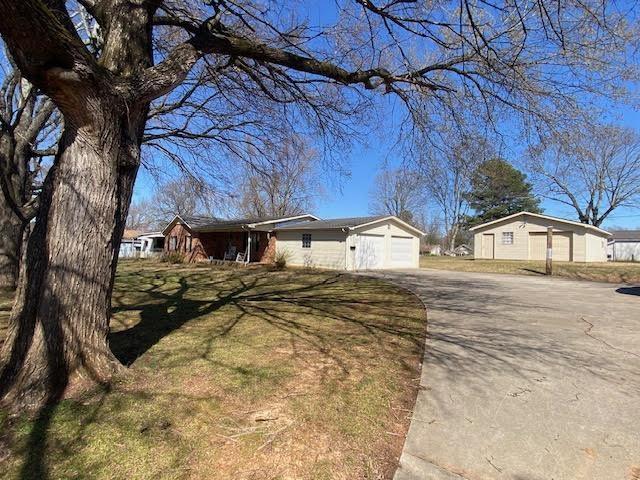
(365, 162)
(350, 197)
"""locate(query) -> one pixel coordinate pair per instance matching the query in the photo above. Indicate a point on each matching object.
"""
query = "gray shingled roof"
(213, 223)
(333, 223)
(626, 235)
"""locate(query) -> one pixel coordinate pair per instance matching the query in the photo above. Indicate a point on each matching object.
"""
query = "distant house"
(460, 251)
(523, 236)
(136, 244)
(151, 244)
(129, 245)
(431, 249)
(357, 243)
(624, 246)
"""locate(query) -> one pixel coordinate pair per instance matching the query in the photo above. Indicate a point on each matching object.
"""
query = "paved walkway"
(525, 378)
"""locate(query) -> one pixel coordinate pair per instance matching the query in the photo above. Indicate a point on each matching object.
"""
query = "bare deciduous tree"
(28, 125)
(399, 192)
(448, 169)
(283, 182)
(184, 196)
(594, 170)
(139, 217)
(437, 59)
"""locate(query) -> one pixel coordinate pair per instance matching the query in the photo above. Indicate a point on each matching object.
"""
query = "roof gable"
(350, 223)
(543, 217)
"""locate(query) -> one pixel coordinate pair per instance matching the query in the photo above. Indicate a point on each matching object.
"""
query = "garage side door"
(370, 252)
(488, 242)
(562, 248)
(402, 252)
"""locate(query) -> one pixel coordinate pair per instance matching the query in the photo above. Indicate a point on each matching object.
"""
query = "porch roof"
(213, 224)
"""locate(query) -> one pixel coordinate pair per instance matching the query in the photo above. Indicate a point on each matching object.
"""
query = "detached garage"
(523, 236)
(359, 243)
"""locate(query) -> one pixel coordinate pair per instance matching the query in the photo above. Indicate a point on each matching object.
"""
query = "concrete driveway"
(525, 378)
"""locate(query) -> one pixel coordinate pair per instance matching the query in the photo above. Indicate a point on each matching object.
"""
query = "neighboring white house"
(431, 249)
(523, 236)
(151, 244)
(624, 246)
(129, 245)
(460, 251)
(141, 245)
(359, 243)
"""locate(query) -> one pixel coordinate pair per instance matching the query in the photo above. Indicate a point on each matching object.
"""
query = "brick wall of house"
(216, 244)
(204, 244)
(269, 251)
(181, 232)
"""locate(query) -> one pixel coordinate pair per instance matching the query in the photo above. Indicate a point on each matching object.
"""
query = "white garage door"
(402, 252)
(370, 252)
(562, 250)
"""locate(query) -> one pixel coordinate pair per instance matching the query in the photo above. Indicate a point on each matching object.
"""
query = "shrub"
(173, 257)
(280, 261)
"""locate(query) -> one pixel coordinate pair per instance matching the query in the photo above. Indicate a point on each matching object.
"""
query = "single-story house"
(431, 249)
(151, 244)
(129, 245)
(242, 239)
(345, 243)
(523, 236)
(460, 251)
(136, 244)
(358, 243)
(624, 246)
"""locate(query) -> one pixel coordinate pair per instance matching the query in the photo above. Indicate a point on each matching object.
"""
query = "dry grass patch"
(244, 374)
(612, 272)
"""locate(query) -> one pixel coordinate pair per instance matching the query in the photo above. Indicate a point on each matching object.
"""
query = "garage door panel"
(370, 252)
(562, 246)
(401, 252)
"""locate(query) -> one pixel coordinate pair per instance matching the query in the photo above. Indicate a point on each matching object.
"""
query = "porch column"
(247, 257)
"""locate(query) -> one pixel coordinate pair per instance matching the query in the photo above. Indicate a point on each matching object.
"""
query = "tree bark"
(60, 322)
(12, 230)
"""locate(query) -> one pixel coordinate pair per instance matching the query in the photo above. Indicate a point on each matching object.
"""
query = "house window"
(173, 243)
(188, 243)
(507, 238)
(306, 240)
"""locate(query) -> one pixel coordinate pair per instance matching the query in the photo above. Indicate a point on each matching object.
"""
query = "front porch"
(234, 246)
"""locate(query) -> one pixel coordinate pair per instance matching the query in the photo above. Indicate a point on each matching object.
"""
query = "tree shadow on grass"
(163, 314)
(310, 311)
(282, 303)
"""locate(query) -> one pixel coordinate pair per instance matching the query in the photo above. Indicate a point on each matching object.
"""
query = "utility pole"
(549, 269)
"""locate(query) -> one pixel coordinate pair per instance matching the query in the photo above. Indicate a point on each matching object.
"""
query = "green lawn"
(600, 272)
(237, 374)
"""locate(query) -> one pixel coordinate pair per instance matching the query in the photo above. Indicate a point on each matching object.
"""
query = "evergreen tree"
(498, 189)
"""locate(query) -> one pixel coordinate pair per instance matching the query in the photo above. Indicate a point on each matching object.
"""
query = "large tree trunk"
(60, 322)
(11, 234)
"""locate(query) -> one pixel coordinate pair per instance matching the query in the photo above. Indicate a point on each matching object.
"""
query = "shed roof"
(626, 235)
(544, 217)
